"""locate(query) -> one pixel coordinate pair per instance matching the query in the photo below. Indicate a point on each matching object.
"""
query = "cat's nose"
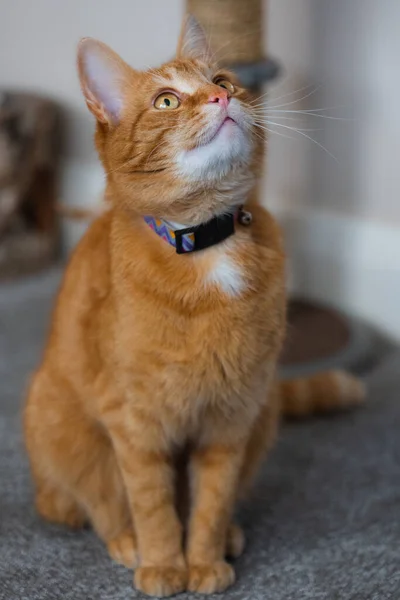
(221, 98)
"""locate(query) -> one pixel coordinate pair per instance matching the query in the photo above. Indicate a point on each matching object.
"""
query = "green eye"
(166, 101)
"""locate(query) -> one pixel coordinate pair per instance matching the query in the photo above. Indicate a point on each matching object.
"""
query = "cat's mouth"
(221, 143)
(227, 122)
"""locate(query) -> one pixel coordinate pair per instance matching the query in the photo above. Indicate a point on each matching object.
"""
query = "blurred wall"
(290, 38)
(358, 45)
(348, 52)
(343, 228)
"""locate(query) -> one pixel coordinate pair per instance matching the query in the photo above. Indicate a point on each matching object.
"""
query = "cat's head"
(176, 141)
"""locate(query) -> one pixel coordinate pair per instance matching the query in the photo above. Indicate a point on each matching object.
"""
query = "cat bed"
(321, 338)
(29, 151)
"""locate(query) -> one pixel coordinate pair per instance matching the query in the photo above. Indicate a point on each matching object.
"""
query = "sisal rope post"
(234, 26)
(236, 33)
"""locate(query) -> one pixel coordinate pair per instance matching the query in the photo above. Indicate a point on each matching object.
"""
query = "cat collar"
(199, 237)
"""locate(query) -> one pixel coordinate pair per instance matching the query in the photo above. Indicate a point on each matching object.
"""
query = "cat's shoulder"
(265, 230)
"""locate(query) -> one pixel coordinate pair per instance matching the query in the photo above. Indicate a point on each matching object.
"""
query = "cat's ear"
(193, 40)
(104, 79)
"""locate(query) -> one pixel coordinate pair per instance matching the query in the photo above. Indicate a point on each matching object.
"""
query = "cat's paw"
(123, 549)
(212, 578)
(235, 541)
(160, 581)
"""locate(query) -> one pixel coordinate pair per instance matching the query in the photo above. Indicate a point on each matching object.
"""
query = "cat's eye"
(166, 101)
(225, 83)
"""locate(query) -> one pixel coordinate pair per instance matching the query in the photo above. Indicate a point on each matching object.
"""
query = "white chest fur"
(226, 273)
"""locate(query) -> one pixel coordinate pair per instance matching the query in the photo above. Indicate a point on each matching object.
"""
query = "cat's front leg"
(215, 470)
(148, 474)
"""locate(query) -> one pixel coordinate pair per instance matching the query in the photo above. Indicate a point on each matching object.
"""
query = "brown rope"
(234, 27)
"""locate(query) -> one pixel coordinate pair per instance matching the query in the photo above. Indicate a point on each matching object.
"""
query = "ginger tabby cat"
(157, 362)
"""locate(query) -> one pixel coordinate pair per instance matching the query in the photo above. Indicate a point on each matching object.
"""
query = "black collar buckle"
(207, 234)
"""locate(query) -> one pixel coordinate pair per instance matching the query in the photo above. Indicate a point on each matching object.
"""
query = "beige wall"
(290, 39)
(38, 42)
(358, 43)
(350, 50)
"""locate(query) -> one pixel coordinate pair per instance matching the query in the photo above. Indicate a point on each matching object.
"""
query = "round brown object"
(314, 333)
(235, 28)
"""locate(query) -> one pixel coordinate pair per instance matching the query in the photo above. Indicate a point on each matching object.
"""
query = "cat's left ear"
(193, 41)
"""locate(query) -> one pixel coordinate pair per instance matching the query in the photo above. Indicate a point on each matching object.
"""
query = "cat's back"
(84, 288)
(88, 267)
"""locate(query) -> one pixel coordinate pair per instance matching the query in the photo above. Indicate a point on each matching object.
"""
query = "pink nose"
(220, 97)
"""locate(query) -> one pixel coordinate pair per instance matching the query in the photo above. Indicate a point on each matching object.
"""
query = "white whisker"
(306, 112)
(291, 93)
(268, 122)
(272, 131)
(314, 91)
(301, 133)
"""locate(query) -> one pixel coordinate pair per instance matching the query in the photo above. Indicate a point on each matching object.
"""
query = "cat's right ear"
(104, 79)
(193, 40)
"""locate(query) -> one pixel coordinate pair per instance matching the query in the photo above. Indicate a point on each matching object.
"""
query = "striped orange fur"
(320, 393)
(156, 397)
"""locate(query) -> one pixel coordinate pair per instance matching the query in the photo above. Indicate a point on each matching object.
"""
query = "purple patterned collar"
(200, 237)
(168, 234)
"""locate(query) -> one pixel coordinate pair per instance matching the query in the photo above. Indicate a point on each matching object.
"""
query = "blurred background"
(331, 172)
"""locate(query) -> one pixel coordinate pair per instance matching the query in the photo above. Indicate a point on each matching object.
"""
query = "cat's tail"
(79, 213)
(322, 393)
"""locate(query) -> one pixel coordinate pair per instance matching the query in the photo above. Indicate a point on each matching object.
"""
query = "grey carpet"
(323, 521)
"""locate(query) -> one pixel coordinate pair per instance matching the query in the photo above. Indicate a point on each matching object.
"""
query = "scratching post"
(236, 32)
(235, 26)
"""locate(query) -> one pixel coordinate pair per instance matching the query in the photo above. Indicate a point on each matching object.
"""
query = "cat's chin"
(228, 149)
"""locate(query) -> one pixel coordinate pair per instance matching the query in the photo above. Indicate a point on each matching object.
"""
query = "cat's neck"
(190, 280)
(183, 203)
